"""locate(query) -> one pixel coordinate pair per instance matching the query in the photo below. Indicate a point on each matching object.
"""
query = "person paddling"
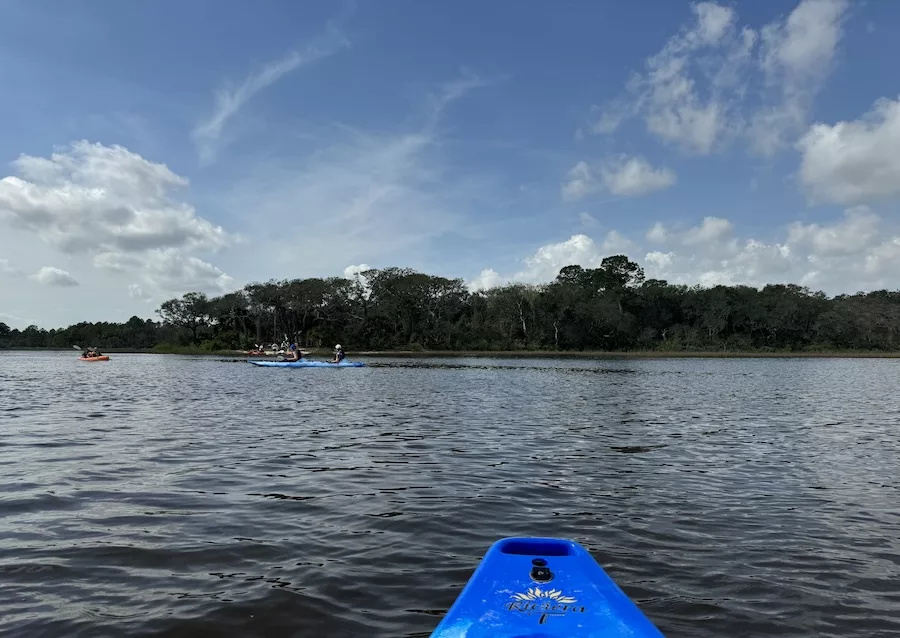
(294, 353)
(338, 354)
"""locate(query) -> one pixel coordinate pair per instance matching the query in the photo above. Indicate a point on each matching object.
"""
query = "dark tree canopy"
(611, 307)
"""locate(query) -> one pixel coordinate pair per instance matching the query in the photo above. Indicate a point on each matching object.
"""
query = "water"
(177, 496)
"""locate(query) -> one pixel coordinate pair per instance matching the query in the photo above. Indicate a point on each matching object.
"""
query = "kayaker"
(294, 353)
(338, 354)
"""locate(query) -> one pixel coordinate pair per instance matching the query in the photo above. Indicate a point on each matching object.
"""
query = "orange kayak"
(100, 358)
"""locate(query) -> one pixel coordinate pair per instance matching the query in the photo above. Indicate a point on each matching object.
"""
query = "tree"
(191, 312)
(610, 307)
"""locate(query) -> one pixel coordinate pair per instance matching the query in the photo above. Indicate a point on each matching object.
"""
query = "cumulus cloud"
(715, 81)
(230, 100)
(623, 176)
(115, 206)
(856, 233)
(711, 230)
(633, 176)
(796, 56)
(579, 249)
(675, 106)
(50, 276)
(487, 278)
(171, 270)
(353, 271)
(859, 251)
(855, 161)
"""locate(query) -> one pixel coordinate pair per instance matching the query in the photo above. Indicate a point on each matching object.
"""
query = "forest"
(609, 308)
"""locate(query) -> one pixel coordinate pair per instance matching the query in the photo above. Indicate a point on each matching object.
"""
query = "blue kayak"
(307, 364)
(542, 588)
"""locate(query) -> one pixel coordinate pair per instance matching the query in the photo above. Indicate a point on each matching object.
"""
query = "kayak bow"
(542, 588)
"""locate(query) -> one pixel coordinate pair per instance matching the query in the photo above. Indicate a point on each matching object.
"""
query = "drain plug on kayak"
(540, 572)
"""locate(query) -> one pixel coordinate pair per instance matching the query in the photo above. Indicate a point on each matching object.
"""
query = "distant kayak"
(100, 358)
(542, 588)
(307, 364)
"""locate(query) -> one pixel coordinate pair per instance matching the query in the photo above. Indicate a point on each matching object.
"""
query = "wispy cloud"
(229, 100)
(365, 196)
(450, 92)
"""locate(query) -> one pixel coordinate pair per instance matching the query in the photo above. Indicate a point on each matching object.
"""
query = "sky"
(150, 149)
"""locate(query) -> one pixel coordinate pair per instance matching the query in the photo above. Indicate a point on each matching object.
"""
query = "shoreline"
(517, 354)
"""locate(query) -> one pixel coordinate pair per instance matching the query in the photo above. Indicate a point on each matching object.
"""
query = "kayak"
(542, 588)
(100, 358)
(307, 364)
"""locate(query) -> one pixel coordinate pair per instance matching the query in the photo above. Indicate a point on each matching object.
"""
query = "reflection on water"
(178, 496)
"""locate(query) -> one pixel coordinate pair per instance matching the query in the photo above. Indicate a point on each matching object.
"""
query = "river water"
(188, 496)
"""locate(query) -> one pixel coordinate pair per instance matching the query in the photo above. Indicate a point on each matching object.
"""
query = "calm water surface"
(177, 496)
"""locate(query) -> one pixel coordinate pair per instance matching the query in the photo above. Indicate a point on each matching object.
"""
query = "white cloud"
(50, 276)
(859, 251)
(855, 161)
(854, 234)
(623, 176)
(657, 233)
(487, 278)
(354, 271)
(117, 208)
(579, 249)
(796, 56)
(712, 229)
(659, 259)
(172, 272)
(668, 95)
(581, 183)
(230, 100)
(633, 176)
(710, 83)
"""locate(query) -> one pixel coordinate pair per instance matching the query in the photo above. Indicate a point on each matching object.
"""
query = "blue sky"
(150, 149)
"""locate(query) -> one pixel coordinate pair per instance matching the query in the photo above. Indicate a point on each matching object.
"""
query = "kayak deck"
(100, 358)
(542, 588)
(306, 364)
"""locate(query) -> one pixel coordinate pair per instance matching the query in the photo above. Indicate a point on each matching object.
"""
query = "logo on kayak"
(546, 602)
(536, 593)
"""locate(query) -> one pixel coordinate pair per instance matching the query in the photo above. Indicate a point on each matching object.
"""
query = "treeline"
(609, 308)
